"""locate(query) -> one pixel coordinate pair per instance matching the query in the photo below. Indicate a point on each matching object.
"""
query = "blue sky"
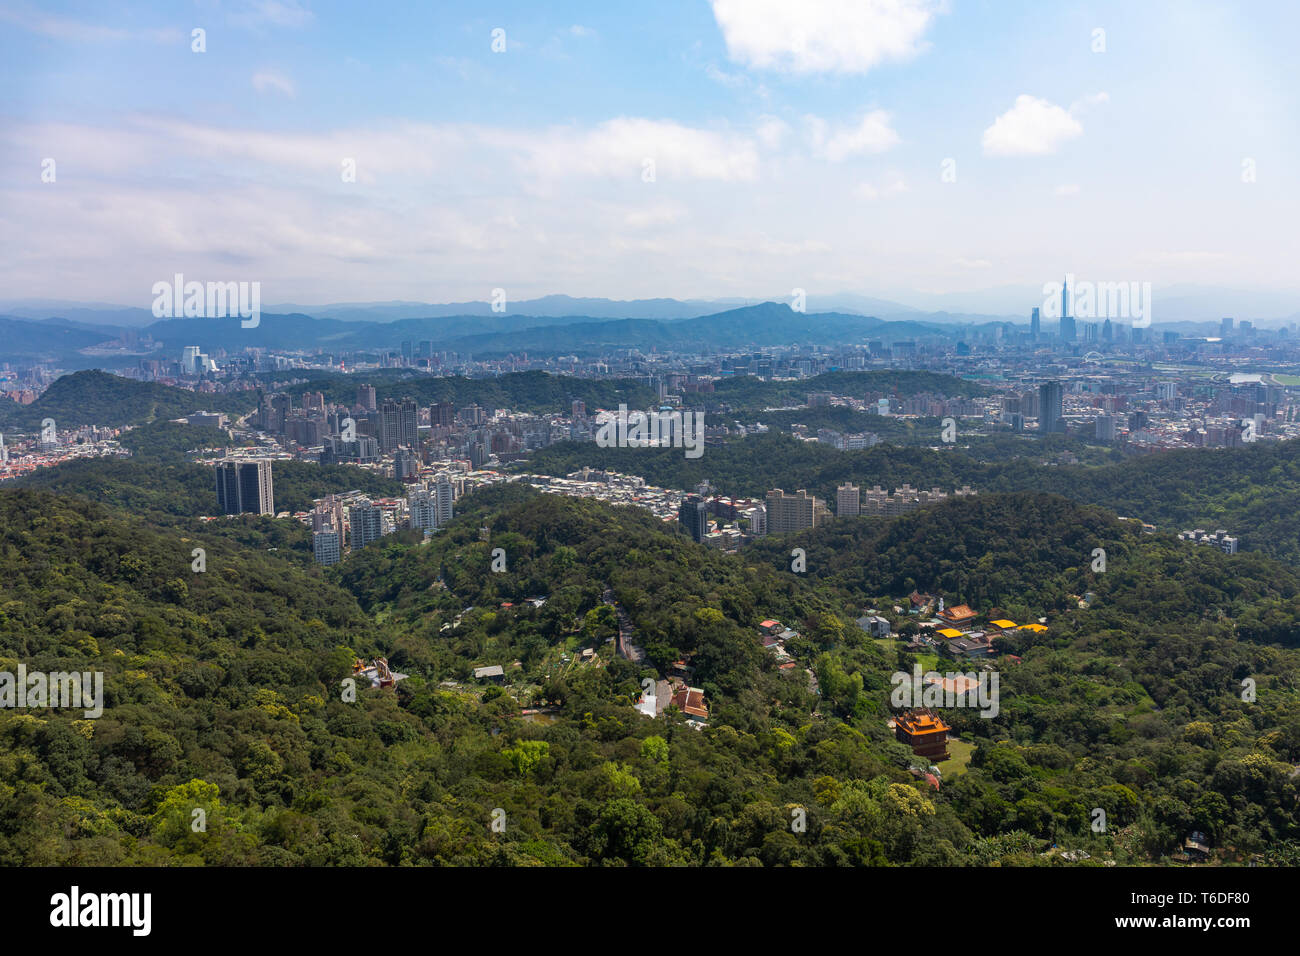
(793, 145)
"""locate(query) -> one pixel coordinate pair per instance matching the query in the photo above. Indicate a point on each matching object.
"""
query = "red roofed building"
(690, 701)
(959, 615)
(924, 732)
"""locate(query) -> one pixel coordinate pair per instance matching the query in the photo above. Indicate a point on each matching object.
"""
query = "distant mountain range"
(768, 324)
(70, 333)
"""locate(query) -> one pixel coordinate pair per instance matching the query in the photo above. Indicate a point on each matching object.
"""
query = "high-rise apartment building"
(442, 415)
(444, 496)
(1106, 427)
(366, 524)
(694, 516)
(421, 509)
(1051, 408)
(796, 512)
(406, 464)
(245, 487)
(398, 425)
(848, 500)
(325, 547)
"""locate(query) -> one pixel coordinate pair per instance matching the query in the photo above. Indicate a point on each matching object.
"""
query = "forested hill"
(1250, 491)
(747, 391)
(534, 391)
(1031, 554)
(98, 398)
(224, 692)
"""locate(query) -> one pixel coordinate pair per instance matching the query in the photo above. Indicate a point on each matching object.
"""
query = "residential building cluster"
(1218, 539)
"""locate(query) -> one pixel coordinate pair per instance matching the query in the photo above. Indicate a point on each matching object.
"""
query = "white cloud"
(1067, 189)
(871, 134)
(620, 148)
(972, 263)
(578, 30)
(771, 131)
(269, 80)
(820, 36)
(1032, 127)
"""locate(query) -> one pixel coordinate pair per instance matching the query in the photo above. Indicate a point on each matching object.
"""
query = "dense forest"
(750, 392)
(225, 691)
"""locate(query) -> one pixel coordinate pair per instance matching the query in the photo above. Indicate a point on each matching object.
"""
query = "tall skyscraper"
(245, 487)
(848, 500)
(1225, 327)
(1035, 325)
(366, 397)
(1068, 331)
(694, 516)
(786, 513)
(1051, 398)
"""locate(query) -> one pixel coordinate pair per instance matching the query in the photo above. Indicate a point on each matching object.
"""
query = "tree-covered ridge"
(1250, 491)
(749, 392)
(97, 398)
(170, 485)
(169, 439)
(1031, 554)
(683, 600)
(223, 693)
(534, 391)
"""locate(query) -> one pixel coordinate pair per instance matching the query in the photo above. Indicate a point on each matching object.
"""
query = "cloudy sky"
(685, 148)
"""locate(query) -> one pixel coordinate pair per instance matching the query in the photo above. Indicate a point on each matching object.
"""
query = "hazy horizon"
(905, 151)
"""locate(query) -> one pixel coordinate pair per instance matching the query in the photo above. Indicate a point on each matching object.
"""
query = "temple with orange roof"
(924, 732)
